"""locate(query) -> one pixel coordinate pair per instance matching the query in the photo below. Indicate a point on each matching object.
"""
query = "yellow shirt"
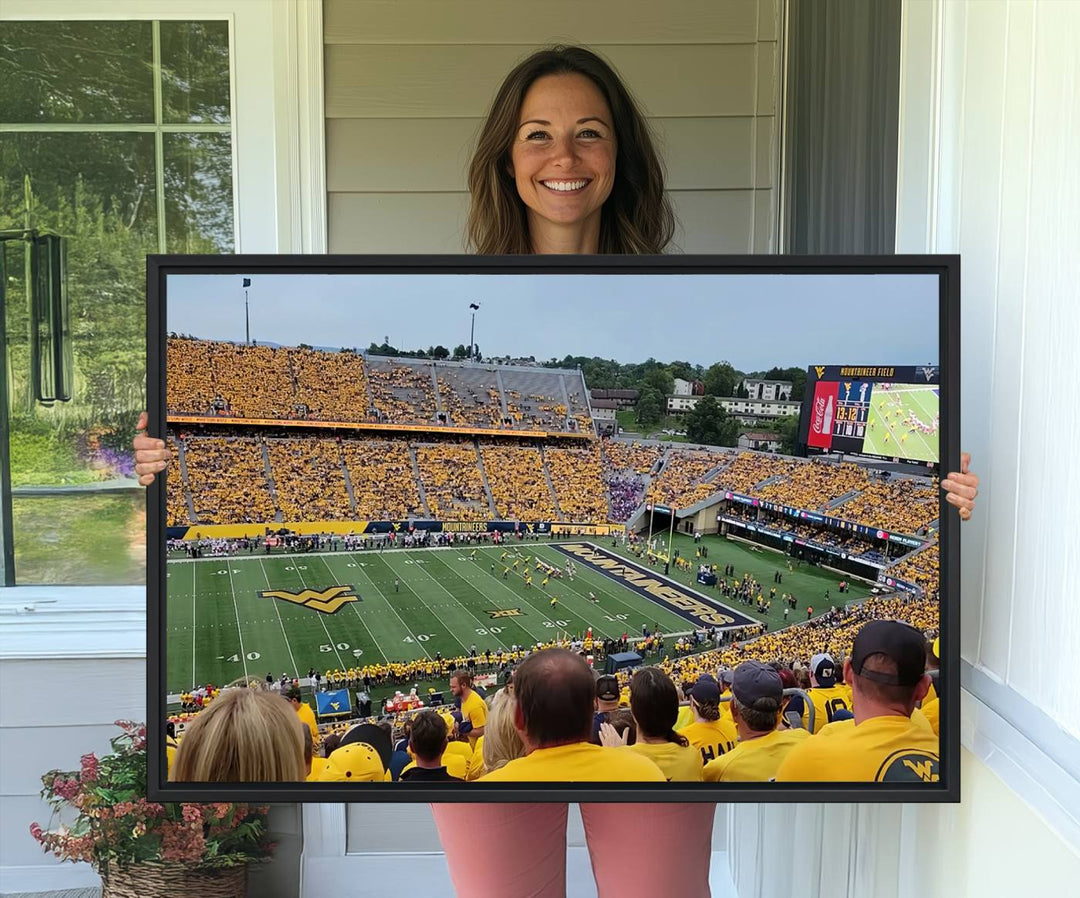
(455, 765)
(755, 760)
(685, 718)
(317, 765)
(463, 749)
(887, 749)
(827, 701)
(711, 738)
(931, 711)
(679, 763)
(474, 709)
(578, 762)
(476, 762)
(305, 713)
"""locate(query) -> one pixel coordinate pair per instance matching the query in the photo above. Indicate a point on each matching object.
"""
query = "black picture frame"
(945, 267)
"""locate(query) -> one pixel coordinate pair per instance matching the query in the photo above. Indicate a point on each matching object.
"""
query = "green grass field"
(219, 626)
(887, 429)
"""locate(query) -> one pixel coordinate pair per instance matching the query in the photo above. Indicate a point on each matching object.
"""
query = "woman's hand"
(151, 456)
(961, 489)
(610, 738)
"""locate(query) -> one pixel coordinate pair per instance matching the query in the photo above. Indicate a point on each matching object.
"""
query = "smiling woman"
(565, 164)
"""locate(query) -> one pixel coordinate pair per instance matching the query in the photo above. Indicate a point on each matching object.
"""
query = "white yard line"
(392, 608)
(236, 610)
(397, 575)
(483, 624)
(288, 645)
(194, 682)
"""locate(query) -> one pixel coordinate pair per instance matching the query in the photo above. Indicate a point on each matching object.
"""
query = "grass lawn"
(81, 539)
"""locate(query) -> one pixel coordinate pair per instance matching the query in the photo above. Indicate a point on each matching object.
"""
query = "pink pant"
(519, 850)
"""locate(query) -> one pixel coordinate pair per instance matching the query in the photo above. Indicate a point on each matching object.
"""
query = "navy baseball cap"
(754, 681)
(706, 690)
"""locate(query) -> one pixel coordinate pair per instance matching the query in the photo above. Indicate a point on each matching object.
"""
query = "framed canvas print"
(553, 528)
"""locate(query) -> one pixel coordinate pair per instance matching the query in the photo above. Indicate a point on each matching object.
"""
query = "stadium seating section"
(237, 474)
(453, 483)
(228, 482)
(206, 377)
(518, 485)
(578, 478)
(382, 479)
(309, 480)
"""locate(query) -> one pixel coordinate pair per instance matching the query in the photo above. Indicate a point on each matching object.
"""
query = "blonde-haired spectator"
(243, 736)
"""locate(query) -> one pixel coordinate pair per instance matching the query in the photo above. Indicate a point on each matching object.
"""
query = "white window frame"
(279, 206)
(279, 203)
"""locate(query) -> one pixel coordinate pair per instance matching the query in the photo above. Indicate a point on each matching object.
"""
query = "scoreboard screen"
(886, 411)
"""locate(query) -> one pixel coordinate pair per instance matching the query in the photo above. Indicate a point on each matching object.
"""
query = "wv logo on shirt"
(327, 601)
(506, 612)
(910, 767)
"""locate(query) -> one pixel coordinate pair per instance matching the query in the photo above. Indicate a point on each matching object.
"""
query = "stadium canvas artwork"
(488, 528)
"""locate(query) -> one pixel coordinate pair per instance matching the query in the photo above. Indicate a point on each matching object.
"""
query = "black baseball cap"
(607, 688)
(901, 642)
(369, 734)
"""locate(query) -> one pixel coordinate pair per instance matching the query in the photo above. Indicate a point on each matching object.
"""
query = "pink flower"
(36, 831)
(65, 788)
(181, 842)
(192, 813)
(89, 768)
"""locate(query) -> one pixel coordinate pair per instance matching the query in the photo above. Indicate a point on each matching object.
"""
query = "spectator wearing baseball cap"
(554, 693)
(607, 701)
(887, 675)
(828, 696)
(710, 734)
(362, 757)
(654, 704)
(756, 705)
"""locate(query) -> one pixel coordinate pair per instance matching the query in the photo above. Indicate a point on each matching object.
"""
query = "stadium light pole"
(671, 533)
(472, 332)
(247, 321)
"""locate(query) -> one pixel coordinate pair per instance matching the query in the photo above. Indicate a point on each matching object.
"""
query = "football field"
(341, 609)
(889, 431)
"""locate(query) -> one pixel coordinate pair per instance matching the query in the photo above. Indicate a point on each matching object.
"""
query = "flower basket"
(145, 849)
(173, 881)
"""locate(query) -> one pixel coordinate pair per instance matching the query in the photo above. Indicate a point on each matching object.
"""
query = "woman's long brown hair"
(637, 216)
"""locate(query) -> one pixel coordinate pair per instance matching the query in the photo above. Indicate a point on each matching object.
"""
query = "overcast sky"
(752, 321)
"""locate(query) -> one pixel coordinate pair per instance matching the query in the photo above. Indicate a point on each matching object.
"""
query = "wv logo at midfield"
(328, 601)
